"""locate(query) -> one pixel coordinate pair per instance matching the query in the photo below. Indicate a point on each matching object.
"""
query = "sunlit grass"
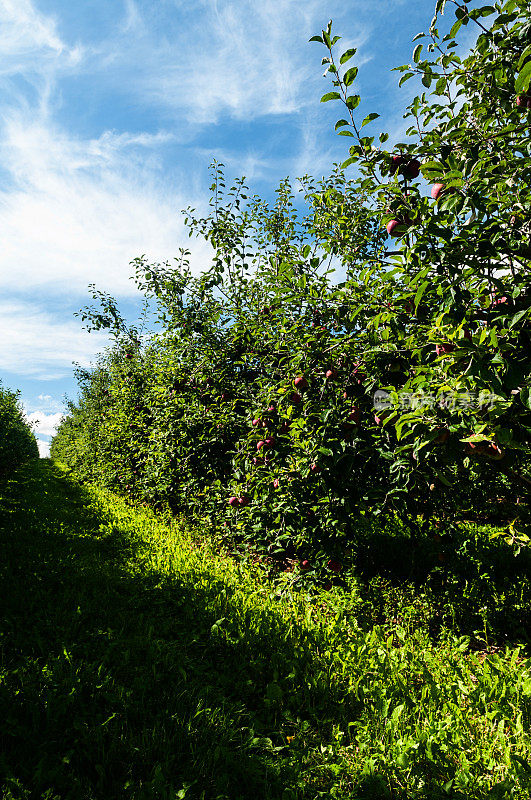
(139, 662)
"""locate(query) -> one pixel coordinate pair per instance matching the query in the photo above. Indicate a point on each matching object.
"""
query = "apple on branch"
(445, 348)
(397, 227)
(437, 189)
(301, 383)
(523, 101)
(411, 169)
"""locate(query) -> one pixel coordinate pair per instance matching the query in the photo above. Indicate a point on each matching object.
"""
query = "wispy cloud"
(78, 211)
(30, 46)
(23, 31)
(38, 344)
(205, 61)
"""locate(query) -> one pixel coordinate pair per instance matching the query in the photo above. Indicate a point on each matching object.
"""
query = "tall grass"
(139, 662)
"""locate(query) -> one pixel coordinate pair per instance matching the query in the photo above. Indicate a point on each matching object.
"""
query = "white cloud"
(37, 344)
(30, 46)
(44, 424)
(43, 404)
(81, 210)
(208, 60)
(24, 30)
(44, 448)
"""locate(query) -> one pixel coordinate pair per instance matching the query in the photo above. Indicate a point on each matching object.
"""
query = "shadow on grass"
(469, 583)
(112, 684)
(118, 682)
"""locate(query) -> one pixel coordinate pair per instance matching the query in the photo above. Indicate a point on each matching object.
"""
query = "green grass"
(137, 662)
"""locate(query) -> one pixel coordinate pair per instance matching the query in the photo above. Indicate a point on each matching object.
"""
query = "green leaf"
(522, 762)
(442, 478)
(347, 55)
(524, 78)
(316, 39)
(420, 291)
(325, 451)
(455, 27)
(524, 57)
(405, 78)
(353, 101)
(348, 162)
(341, 123)
(517, 317)
(416, 53)
(525, 397)
(350, 76)
(369, 118)
(330, 96)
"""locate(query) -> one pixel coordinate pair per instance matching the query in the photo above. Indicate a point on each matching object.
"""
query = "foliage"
(17, 441)
(138, 662)
(254, 407)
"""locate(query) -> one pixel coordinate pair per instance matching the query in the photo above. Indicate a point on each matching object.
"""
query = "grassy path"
(137, 664)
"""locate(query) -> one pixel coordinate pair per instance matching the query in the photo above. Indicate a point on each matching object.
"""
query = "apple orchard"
(253, 405)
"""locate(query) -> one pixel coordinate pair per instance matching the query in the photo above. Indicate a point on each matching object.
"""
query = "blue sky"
(111, 111)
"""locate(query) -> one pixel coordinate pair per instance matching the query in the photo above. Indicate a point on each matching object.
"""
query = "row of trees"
(17, 440)
(289, 406)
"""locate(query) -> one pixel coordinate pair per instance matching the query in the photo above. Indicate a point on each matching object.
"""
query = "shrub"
(17, 441)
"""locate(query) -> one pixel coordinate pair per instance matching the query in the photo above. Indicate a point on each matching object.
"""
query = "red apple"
(397, 227)
(331, 374)
(260, 444)
(315, 468)
(437, 189)
(498, 301)
(490, 450)
(443, 434)
(447, 347)
(276, 483)
(257, 422)
(334, 565)
(494, 452)
(396, 162)
(295, 398)
(305, 564)
(523, 101)
(354, 414)
(284, 427)
(411, 169)
(233, 502)
(269, 442)
(301, 383)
